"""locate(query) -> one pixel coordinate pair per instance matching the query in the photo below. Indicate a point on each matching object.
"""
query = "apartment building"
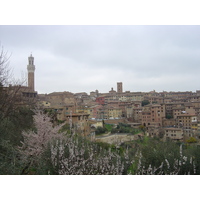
(178, 111)
(146, 118)
(61, 111)
(174, 134)
(169, 122)
(59, 98)
(79, 122)
(114, 112)
(137, 114)
(153, 113)
(187, 121)
(23, 95)
(194, 98)
(129, 112)
(45, 104)
(102, 113)
(100, 100)
(94, 111)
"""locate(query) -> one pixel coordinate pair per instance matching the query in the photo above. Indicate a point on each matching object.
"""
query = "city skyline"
(86, 58)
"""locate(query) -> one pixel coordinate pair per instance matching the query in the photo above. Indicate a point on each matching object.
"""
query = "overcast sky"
(86, 58)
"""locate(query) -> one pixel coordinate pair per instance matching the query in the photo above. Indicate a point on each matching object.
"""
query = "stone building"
(79, 122)
(100, 100)
(119, 87)
(137, 114)
(173, 133)
(187, 121)
(153, 114)
(114, 112)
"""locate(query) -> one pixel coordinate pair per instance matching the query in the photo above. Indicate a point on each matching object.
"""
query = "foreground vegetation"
(39, 147)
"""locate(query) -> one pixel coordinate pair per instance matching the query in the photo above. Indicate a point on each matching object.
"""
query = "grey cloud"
(143, 57)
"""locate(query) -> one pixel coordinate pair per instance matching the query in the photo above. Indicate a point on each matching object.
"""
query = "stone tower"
(31, 70)
(119, 87)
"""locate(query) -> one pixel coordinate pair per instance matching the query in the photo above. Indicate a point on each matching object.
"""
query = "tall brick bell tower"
(31, 70)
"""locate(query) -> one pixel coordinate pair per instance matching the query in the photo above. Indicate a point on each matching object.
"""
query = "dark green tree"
(145, 102)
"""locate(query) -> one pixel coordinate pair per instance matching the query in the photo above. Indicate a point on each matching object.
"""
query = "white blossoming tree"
(64, 154)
